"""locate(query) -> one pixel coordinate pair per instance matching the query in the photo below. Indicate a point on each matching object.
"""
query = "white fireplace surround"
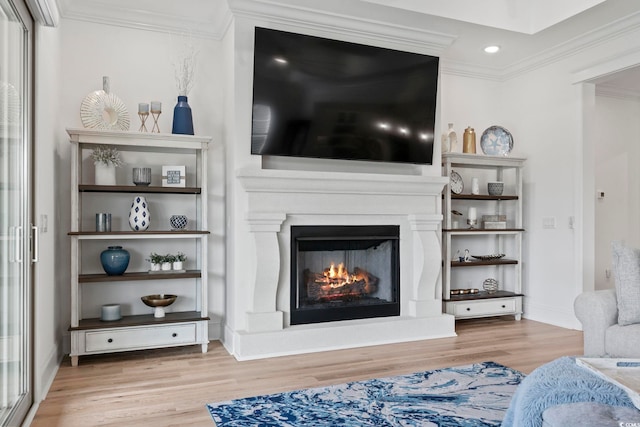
(278, 199)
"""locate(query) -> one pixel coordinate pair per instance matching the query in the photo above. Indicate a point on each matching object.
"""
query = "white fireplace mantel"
(277, 199)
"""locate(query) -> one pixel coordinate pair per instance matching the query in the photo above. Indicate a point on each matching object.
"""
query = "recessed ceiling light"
(492, 49)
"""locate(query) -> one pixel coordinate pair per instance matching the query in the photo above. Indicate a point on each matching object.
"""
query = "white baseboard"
(551, 315)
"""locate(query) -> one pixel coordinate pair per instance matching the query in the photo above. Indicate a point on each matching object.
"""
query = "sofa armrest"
(597, 311)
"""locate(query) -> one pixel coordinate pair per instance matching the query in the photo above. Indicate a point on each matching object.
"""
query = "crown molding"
(211, 19)
(617, 92)
(45, 12)
(324, 22)
(574, 46)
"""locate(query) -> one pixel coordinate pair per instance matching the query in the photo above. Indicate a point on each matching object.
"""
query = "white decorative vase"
(105, 174)
(177, 265)
(166, 266)
(139, 217)
(155, 266)
(452, 139)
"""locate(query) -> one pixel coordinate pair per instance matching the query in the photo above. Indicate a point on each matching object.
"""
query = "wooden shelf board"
(482, 197)
(136, 233)
(141, 275)
(483, 295)
(139, 320)
(137, 189)
(482, 230)
(476, 263)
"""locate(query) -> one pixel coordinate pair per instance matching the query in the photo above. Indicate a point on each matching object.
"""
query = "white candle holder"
(472, 223)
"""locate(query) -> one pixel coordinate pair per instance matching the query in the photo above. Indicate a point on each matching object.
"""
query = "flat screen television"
(322, 98)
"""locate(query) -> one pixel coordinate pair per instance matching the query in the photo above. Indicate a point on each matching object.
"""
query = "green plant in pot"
(106, 159)
(180, 258)
(156, 261)
(167, 262)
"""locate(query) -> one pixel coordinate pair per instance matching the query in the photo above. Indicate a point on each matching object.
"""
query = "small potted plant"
(106, 159)
(167, 262)
(156, 261)
(179, 259)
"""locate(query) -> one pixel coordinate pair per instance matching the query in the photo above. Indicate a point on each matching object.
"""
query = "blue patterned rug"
(475, 395)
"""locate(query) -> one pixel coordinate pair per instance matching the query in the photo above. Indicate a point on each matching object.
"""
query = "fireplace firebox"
(344, 273)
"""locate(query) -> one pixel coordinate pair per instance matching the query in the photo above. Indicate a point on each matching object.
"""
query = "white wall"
(71, 62)
(49, 270)
(618, 176)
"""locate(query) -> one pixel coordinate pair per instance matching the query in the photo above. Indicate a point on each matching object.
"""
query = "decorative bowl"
(158, 301)
(495, 188)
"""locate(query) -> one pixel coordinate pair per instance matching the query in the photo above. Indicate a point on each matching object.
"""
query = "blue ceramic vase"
(115, 260)
(182, 120)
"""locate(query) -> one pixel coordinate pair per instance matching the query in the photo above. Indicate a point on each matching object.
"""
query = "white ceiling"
(523, 16)
(526, 30)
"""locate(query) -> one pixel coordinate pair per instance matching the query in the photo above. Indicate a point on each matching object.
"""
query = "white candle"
(143, 107)
(472, 214)
(156, 106)
(475, 187)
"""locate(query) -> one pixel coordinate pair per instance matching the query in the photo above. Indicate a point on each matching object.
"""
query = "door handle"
(35, 248)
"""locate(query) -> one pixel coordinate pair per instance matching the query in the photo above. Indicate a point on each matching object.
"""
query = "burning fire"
(336, 283)
(338, 277)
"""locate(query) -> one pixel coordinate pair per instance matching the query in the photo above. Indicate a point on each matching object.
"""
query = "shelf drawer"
(139, 338)
(484, 307)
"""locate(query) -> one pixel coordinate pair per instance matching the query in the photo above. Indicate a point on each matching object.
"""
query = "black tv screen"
(322, 98)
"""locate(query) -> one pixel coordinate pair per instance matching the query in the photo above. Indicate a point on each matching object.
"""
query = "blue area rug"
(475, 395)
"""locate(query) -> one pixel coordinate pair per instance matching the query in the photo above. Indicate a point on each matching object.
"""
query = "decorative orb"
(178, 222)
(490, 285)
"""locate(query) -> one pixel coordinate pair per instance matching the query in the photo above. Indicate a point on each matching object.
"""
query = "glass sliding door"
(16, 246)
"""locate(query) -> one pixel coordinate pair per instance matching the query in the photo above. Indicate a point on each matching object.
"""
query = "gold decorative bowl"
(158, 302)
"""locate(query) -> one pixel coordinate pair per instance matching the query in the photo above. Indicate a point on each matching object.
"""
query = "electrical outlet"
(44, 222)
(549, 222)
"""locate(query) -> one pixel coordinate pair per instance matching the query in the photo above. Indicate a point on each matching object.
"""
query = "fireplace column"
(426, 296)
(263, 315)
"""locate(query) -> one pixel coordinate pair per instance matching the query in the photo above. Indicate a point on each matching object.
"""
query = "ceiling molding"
(457, 68)
(574, 46)
(617, 92)
(45, 12)
(211, 23)
(351, 27)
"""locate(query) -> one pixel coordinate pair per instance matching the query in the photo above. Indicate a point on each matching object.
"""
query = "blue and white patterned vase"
(139, 217)
(114, 260)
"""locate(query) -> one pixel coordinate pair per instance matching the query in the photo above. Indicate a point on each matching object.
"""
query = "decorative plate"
(455, 182)
(496, 141)
(488, 257)
(105, 111)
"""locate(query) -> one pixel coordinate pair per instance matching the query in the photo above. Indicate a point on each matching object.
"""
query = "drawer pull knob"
(504, 306)
(174, 334)
(110, 340)
(468, 308)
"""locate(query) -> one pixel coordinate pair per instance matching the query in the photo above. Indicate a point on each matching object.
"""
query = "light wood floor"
(170, 387)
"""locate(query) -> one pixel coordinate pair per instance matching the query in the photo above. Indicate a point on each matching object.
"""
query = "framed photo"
(174, 176)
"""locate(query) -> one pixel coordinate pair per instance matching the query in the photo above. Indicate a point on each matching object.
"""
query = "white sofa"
(603, 337)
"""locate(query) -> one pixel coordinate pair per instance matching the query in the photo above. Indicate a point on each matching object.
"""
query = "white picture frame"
(174, 176)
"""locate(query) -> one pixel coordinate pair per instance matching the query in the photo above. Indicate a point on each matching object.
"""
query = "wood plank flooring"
(170, 387)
